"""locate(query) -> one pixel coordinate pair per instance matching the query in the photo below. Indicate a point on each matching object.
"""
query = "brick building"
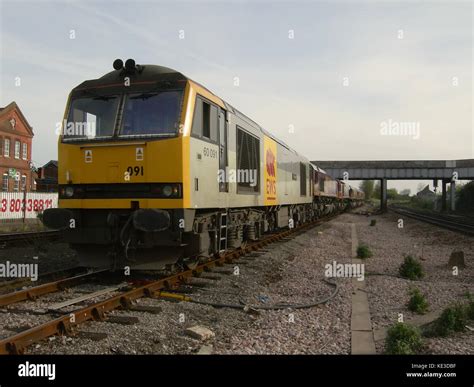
(16, 136)
(426, 193)
(47, 180)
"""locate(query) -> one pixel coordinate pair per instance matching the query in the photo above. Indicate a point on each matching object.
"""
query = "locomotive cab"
(121, 164)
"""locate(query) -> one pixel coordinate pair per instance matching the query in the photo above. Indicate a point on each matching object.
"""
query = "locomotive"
(155, 169)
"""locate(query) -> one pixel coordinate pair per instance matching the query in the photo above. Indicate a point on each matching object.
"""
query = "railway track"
(449, 222)
(11, 285)
(122, 297)
(17, 237)
(50, 287)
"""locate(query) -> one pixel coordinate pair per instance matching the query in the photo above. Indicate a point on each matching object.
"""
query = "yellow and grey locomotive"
(149, 158)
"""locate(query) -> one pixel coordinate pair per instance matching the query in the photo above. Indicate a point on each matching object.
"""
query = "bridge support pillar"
(443, 195)
(452, 195)
(383, 195)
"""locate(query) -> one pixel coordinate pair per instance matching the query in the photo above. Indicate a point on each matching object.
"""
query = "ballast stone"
(200, 333)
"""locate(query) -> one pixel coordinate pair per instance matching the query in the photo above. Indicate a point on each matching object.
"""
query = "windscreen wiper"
(104, 98)
(145, 96)
(98, 96)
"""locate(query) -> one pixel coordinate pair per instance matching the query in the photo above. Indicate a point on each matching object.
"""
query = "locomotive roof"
(149, 73)
(146, 73)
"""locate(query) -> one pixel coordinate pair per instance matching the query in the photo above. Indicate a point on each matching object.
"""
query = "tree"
(405, 192)
(368, 187)
(376, 194)
(392, 193)
(465, 197)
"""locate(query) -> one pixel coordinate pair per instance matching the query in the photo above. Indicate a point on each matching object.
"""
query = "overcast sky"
(326, 78)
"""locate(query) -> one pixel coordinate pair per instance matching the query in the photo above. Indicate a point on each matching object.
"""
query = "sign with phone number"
(14, 205)
(18, 205)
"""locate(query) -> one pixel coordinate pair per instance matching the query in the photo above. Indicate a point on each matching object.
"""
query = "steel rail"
(437, 221)
(97, 312)
(36, 291)
(49, 276)
(21, 236)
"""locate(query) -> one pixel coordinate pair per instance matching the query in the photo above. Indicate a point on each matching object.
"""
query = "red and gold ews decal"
(270, 175)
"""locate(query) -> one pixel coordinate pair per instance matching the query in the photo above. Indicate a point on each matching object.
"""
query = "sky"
(334, 80)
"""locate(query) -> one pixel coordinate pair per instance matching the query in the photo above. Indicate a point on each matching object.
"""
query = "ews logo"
(270, 157)
(270, 171)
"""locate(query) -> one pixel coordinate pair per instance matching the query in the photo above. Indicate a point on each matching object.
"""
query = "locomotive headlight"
(167, 190)
(69, 192)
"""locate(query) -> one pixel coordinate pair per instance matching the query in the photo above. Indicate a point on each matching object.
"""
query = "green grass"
(363, 252)
(411, 268)
(453, 319)
(470, 306)
(417, 302)
(403, 339)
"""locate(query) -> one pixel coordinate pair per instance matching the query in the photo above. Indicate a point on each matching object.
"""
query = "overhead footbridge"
(444, 171)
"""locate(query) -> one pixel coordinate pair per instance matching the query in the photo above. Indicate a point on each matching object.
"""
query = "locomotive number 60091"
(207, 152)
(135, 171)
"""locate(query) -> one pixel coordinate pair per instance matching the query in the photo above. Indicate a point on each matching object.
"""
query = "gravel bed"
(433, 246)
(290, 272)
(52, 256)
(31, 313)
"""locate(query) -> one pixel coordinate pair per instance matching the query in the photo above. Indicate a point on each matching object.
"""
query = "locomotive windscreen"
(92, 117)
(151, 114)
(145, 114)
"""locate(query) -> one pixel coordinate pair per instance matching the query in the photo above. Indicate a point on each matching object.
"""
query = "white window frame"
(17, 149)
(25, 151)
(6, 148)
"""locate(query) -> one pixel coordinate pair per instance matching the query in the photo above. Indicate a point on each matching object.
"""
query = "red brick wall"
(19, 133)
(48, 172)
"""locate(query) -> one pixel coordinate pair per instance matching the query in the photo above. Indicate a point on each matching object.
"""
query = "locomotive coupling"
(151, 219)
(57, 218)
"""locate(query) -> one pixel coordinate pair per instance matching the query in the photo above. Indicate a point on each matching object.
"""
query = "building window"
(25, 151)
(248, 162)
(23, 183)
(16, 184)
(6, 149)
(5, 182)
(17, 149)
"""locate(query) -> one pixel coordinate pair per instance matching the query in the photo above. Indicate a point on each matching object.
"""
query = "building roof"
(12, 106)
(426, 190)
(51, 163)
